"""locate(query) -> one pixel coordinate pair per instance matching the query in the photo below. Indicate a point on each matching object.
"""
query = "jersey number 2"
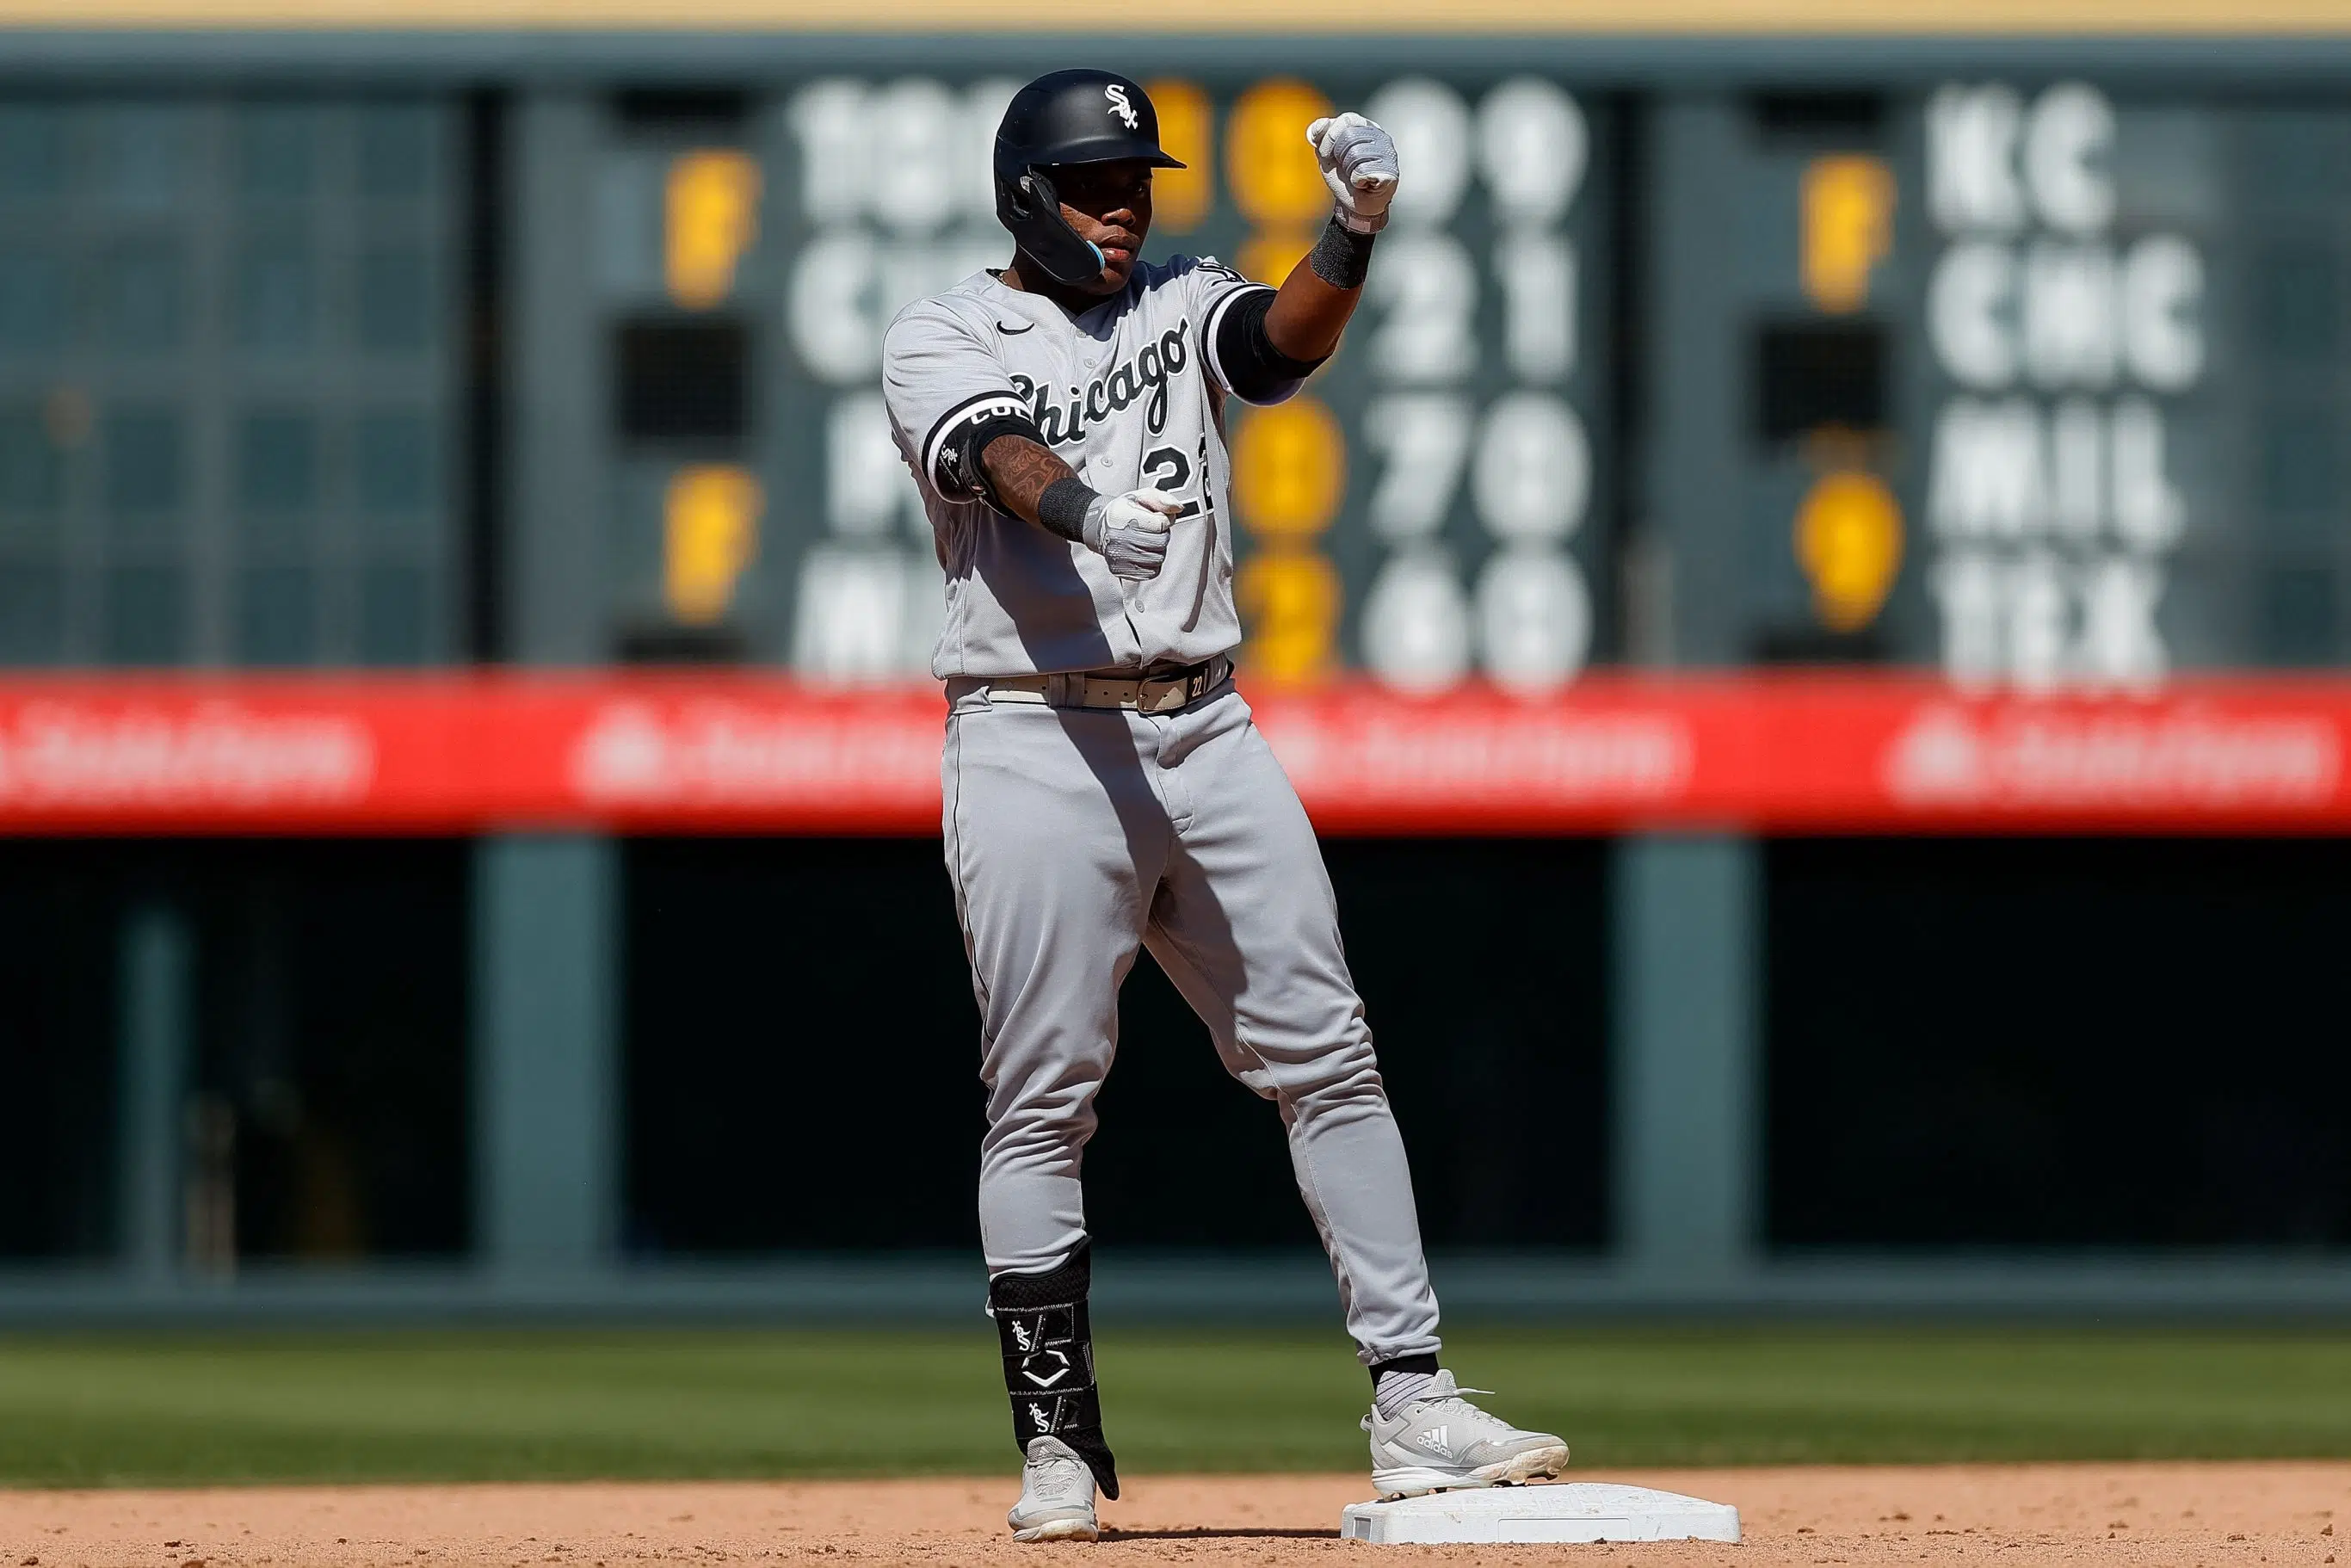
(1171, 471)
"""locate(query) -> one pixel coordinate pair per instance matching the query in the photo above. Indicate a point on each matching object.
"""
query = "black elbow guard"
(1247, 359)
(952, 453)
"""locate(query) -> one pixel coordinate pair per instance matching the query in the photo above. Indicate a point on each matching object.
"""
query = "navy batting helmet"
(1067, 117)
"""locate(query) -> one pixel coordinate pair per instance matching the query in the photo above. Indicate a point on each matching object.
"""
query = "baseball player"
(1105, 785)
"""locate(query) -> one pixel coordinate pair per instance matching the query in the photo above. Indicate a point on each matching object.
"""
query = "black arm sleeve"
(1252, 366)
(960, 473)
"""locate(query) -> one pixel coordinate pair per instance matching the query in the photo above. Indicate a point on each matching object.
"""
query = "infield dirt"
(2172, 1515)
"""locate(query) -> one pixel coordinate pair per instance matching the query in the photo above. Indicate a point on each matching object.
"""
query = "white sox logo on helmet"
(1116, 93)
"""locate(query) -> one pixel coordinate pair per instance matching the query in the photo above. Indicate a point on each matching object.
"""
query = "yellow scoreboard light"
(1849, 543)
(1290, 476)
(711, 217)
(1275, 180)
(1289, 598)
(710, 533)
(1289, 470)
(1848, 228)
(1181, 198)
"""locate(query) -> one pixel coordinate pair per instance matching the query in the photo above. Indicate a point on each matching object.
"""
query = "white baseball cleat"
(1441, 1442)
(1057, 1495)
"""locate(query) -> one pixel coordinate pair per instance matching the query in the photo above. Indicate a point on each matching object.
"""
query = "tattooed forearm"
(1022, 472)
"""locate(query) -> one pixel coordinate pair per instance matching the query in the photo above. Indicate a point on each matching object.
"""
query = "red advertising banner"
(730, 752)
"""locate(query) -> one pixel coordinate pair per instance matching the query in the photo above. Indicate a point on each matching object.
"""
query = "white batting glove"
(1359, 164)
(1130, 531)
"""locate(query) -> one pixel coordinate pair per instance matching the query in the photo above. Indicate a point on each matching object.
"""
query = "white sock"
(1394, 1390)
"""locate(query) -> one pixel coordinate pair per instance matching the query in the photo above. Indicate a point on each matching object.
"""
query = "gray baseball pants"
(1075, 834)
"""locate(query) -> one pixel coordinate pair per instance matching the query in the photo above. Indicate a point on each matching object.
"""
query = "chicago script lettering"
(1145, 376)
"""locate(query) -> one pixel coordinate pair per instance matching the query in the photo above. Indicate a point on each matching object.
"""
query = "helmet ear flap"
(1046, 201)
(1029, 206)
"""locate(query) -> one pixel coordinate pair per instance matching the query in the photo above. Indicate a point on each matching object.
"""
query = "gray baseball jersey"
(1130, 395)
(1077, 836)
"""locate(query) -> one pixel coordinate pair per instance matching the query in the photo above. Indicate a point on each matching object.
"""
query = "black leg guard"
(1049, 1361)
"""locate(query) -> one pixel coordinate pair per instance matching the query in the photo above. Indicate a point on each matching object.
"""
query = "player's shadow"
(1206, 1532)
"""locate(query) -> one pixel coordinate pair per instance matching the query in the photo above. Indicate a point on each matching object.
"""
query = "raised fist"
(1359, 164)
(1130, 531)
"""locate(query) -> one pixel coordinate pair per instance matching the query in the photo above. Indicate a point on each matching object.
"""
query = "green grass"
(120, 1411)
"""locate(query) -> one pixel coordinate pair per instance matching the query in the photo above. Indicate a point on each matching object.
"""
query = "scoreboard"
(1434, 505)
(2036, 382)
(2035, 379)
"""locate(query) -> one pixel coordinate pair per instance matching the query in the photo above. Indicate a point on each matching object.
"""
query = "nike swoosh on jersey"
(1012, 331)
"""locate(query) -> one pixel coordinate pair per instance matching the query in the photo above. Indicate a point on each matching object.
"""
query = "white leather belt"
(1143, 694)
